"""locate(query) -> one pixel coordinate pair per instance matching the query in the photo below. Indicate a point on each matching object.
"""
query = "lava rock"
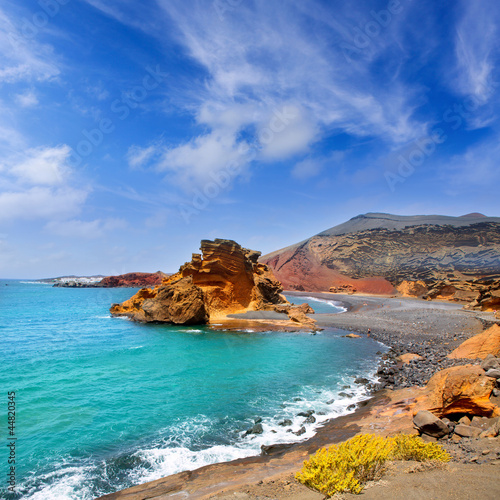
(429, 424)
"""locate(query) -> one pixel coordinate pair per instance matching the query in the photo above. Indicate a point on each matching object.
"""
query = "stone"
(429, 424)
(274, 449)
(285, 422)
(490, 362)
(301, 431)
(256, 429)
(310, 420)
(307, 413)
(361, 380)
(479, 346)
(225, 279)
(467, 431)
(330, 402)
(463, 389)
(408, 357)
(492, 431)
(465, 420)
(493, 373)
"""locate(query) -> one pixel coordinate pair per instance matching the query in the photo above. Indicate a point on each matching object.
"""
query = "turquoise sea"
(103, 403)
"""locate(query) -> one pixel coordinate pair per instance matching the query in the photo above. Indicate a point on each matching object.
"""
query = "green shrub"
(346, 466)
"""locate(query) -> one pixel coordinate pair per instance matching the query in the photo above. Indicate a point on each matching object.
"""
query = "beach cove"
(435, 328)
(104, 403)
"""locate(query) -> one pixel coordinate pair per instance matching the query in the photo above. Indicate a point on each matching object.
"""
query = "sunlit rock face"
(224, 279)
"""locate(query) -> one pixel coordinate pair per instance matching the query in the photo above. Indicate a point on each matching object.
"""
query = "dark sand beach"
(431, 328)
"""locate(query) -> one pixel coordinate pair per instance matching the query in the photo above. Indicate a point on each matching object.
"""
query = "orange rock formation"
(479, 346)
(460, 389)
(224, 279)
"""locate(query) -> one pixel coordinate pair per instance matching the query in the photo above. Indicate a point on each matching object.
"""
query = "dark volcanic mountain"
(374, 253)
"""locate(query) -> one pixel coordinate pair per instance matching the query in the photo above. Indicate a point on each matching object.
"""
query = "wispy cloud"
(27, 99)
(261, 57)
(476, 49)
(24, 59)
(37, 186)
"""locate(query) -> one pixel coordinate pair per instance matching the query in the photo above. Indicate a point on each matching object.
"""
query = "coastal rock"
(493, 373)
(490, 362)
(409, 357)
(256, 429)
(479, 346)
(224, 279)
(467, 431)
(429, 424)
(461, 390)
(179, 302)
(133, 280)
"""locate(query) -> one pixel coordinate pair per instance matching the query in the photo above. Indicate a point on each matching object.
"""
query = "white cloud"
(199, 160)
(476, 49)
(138, 157)
(24, 59)
(36, 185)
(41, 203)
(27, 100)
(260, 58)
(289, 131)
(306, 169)
(45, 165)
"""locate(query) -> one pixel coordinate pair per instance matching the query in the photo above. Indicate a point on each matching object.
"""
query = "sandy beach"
(434, 328)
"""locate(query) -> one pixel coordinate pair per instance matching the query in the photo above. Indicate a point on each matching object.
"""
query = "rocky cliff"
(132, 280)
(224, 279)
(374, 253)
(129, 280)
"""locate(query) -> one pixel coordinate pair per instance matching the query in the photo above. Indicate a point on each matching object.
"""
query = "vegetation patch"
(346, 467)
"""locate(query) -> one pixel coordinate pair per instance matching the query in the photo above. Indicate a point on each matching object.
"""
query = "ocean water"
(103, 403)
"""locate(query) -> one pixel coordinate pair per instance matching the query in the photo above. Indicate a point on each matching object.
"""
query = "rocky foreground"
(224, 279)
(436, 382)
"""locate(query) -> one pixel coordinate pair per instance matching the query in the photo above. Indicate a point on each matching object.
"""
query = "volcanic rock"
(454, 257)
(479, 346)
(429, 424)
(132, 280)
(461, 389)
(225, 279)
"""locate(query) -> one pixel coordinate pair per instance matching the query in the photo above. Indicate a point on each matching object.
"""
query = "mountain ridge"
(375, 253)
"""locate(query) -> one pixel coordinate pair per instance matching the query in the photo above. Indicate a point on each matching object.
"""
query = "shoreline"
(419, 323)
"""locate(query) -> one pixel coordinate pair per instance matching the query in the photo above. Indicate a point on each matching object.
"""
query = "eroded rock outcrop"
(460, 390)
(479, 346)
(224, 279)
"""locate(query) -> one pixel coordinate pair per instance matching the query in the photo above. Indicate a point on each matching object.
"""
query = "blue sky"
(129, 131)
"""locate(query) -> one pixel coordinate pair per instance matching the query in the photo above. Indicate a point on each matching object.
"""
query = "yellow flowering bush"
(346, 466)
